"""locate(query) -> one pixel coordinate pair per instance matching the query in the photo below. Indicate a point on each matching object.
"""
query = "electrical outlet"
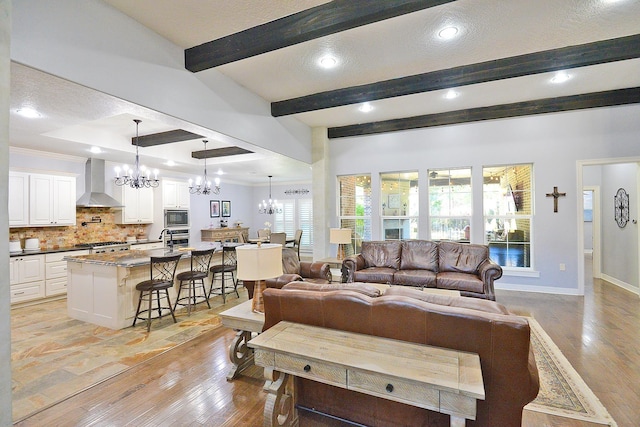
(562, 267)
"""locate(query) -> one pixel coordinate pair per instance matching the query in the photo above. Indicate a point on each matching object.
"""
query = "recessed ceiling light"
(366, 107)
(28, 112)
(451, 94)
(560, 77)
(170, 163)
(95, 150)
(448, 33)
(328, 61)
(220, 172)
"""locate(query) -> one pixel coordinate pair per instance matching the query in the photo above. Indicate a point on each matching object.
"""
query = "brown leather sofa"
(484, 327)
(422, 263)
(294, 269)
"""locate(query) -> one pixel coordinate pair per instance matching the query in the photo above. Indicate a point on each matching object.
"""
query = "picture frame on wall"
(226, 208)
(214, 209)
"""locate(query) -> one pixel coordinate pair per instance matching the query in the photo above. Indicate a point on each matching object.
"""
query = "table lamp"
(340, 237)
(259, 262)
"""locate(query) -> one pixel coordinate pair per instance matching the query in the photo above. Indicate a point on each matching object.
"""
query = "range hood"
(94, 179)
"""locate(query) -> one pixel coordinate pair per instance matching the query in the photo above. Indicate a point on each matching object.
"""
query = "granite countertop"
(70, 248)
(131, 258)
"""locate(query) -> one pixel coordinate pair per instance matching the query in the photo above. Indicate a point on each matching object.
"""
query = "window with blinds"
(296, 214)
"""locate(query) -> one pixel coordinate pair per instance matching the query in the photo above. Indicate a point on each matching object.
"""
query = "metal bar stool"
(162, 272)
(200, 261)
(228, 267)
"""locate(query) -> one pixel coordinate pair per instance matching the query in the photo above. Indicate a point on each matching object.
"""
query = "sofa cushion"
(362, 288)
(461, 257)
(419, 255)
(381, 254)
(420, 278)
(462, 302)
(374, 274)
(459, 282)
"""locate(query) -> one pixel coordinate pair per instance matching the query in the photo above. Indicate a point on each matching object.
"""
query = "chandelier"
(136, 177)
(271, 207)
(203, 184)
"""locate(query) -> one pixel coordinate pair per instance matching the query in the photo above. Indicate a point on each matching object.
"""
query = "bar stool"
(227, 268)
(162, 272)
(200, 261)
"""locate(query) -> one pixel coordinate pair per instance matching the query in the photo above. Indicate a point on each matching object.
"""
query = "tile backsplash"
(103, 231)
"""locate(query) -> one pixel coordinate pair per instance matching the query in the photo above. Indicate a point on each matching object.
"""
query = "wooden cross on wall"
(555, 196)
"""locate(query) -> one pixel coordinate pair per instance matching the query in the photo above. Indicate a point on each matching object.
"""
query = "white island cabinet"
(101, 288)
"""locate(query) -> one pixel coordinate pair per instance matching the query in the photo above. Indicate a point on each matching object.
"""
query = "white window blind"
(296, 214)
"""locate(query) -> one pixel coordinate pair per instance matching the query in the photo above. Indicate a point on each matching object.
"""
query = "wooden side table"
(245, 322)
(438, 379)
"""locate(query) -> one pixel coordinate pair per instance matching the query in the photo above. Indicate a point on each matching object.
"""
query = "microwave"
(176, 218)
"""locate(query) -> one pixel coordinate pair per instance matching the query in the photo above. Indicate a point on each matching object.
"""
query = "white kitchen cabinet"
(175, 194)
(137, 205)
(18, 199)
(52, 200)
(26, 278)
(56, 272)
(147, 246)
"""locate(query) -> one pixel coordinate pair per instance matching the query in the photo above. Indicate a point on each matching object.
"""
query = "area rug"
(54, 357)
(562, 390)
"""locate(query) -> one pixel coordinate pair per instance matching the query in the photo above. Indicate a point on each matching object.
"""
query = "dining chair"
(280, 238)
(263, 233)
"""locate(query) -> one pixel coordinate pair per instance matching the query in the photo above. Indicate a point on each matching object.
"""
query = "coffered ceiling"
(500, 63)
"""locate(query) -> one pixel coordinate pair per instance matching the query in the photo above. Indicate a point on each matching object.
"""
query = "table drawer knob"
(307, 368)
(389, 388)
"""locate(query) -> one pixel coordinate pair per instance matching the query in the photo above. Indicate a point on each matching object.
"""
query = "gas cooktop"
(98, 244)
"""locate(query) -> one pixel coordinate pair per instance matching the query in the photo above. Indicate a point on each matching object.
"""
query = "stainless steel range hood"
(94, 180)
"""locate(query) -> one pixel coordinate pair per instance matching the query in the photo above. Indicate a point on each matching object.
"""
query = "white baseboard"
(538, 289)
(620, 283)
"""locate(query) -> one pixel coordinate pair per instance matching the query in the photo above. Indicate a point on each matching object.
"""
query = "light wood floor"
(598, 333)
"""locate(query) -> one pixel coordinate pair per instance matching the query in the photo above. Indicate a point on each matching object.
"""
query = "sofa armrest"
(315, 270)
(280, 281)
(350, 265)
(489, 271)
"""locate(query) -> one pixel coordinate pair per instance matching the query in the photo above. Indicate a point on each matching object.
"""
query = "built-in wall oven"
(180, 237)
(176, 218)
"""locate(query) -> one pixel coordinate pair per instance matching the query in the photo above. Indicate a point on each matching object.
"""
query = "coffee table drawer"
(318, 371)
(394, 389)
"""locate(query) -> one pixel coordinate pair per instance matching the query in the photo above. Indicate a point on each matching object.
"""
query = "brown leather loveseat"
(422, 263)
(484, 327)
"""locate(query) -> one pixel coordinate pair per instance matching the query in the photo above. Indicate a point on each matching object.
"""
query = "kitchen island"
(101, 288)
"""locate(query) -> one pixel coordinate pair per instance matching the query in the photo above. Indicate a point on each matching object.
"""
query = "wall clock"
(621, 207)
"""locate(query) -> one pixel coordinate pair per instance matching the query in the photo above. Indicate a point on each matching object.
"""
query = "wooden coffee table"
(434, 378)
(246, 322)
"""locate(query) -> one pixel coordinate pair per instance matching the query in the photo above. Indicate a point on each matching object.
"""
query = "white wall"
(5, 323)
(552, 142)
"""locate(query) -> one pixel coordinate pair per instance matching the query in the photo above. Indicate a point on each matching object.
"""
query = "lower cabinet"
(147, 246)
(56, 272)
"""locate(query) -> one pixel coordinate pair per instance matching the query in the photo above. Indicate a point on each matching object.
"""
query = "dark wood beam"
(168, 137)
(219, 152)
(516, 66)
(319, 21)
(526, 108)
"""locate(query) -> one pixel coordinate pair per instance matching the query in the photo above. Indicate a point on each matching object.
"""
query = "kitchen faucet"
(170, 237)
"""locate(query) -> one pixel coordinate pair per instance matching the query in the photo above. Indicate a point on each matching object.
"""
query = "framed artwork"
(214, 209)
(226, 208)
(394, 201)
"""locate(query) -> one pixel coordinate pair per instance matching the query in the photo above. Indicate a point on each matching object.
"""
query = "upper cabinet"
(175, 194)
(137, 205)
(41, 200)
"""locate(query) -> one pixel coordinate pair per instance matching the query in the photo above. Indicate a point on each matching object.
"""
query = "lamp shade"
(340, 236)
(259, 262)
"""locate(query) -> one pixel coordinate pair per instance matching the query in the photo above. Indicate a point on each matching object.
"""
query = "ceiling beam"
(319, 21)
(516, 66)
(219, 152)
(168, 137)
(526, 108)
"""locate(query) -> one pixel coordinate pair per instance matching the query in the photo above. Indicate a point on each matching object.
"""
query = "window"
(355, 208)
(399, 205)
(450, 204)
(296, 214)
(508, 210)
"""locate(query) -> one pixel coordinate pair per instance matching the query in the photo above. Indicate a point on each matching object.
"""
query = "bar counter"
(101, 288)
